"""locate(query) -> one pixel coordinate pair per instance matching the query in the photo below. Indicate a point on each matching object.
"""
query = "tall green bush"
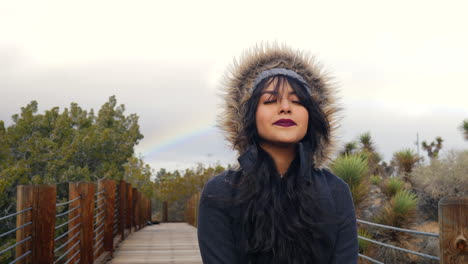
(353, 170)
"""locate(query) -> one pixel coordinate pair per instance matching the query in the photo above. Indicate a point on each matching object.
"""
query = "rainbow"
(158, 143)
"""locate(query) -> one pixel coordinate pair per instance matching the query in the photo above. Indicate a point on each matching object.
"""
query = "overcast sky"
(401, 66)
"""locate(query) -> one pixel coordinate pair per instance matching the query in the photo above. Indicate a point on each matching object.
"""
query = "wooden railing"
(85, 229)
(191, 210)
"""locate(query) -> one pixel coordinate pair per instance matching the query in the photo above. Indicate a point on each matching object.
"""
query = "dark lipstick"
(285, 123)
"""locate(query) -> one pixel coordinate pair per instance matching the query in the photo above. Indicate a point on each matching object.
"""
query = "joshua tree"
(405, 161)
(464, 128)
(349, 148)
(366, 142)
(433, 148)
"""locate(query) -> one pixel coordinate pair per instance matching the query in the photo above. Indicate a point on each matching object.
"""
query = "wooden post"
(196, 208)
(109, 188)
(24, 200)
(122, 208)
(129, 207)
(43, 227)
(87, 192)
(164, 211)
(100, 215)
(135, 208)
(453, 230)
(141, 207)
(150, 212)
(73, 193)
(143, 211)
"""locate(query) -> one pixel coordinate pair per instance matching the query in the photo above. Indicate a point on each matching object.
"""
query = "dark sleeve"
(215, 235)
(346, 249)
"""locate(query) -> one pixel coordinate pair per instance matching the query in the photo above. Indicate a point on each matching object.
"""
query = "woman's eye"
(269, 102)
(297, 102)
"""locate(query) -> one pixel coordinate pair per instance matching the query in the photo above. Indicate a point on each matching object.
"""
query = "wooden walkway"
(164, 243)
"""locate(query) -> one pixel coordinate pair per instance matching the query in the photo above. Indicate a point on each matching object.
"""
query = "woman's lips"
(285, 123)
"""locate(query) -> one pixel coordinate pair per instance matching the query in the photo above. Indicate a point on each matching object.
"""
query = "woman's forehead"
(278, 86)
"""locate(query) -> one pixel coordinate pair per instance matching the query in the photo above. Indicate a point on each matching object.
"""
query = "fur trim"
(240, 77)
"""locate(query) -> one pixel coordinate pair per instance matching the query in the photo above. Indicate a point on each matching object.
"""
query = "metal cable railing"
(15, 229)
(15, 245)
(99, 218)
(21, 257)
(11, 231)
(68, 251)
(66, 243)
(67, 232)
(395, 247)
(68, 224)
(73, 237)
(399, 248)
(398, 229)
(370, 259)
(14, 214)
(69, 211)
(68, 202)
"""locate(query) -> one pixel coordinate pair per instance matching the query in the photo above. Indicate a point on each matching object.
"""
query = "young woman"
(281, 204)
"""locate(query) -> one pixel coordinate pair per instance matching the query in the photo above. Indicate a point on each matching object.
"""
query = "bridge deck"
(164, 243)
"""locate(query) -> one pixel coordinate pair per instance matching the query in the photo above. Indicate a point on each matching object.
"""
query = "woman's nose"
(285, 106)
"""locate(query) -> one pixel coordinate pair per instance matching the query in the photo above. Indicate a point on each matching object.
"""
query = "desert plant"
(364, 244)
(433, 148)
(366, 142)
(399, 212)
(353, 170)
(464, 128)
(391, 186)
(405, 161)
(375, 179)
(349, 148)
(446, 176)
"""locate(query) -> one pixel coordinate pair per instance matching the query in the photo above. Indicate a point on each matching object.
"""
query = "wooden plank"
(164, 211)
(135, 208)
(24, 200)
(175, 243)
(109, 188)
(122, 208)
(129, 219)
(43, 227)
(87, 192)
(100, 216)
(453, 230)
(73, 193)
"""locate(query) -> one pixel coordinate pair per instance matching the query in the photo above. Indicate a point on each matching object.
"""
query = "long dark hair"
(281, 215)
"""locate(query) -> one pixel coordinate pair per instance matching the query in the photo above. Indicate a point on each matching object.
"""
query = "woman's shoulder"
(338, 189)
(218, 188)
(334, 182)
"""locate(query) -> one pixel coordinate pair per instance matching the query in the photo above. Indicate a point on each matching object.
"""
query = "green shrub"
(392, 186)
(375, 179)
(353, 169)
(404, 202)
(363, 244)
(399, 212)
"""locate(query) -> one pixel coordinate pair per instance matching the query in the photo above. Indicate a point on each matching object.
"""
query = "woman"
(281, 205)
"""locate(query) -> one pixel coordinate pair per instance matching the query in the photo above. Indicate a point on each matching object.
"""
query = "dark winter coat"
(219, 227)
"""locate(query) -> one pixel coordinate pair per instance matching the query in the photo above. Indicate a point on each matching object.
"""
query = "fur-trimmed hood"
(239, 78)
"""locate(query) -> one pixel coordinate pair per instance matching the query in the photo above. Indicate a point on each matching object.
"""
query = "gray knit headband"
(279, 71)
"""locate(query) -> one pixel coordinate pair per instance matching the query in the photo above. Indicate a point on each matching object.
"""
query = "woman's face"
(280, 117)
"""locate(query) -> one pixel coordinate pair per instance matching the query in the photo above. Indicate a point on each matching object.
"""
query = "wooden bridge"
(103, 222)
(156, 244)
